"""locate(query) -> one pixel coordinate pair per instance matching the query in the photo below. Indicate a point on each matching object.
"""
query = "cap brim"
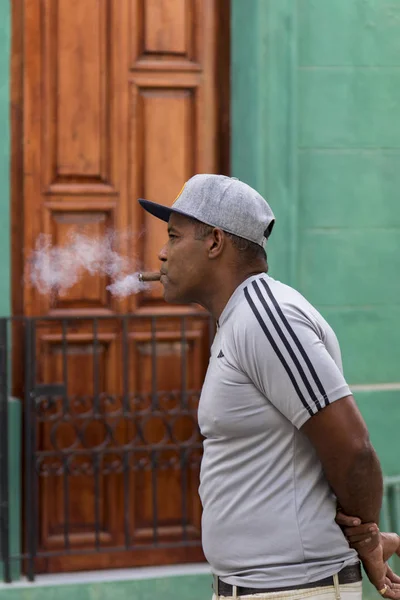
(157, 210)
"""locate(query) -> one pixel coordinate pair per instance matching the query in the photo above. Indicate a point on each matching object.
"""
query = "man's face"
(184, 262)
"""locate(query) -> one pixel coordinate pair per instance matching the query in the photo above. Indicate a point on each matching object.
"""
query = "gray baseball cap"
(223, 202)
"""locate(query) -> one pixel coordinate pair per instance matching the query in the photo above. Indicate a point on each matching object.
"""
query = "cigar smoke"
(55, 269)
(126, 286)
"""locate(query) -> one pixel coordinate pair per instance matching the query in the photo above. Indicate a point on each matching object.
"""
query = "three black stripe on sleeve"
(285, 332)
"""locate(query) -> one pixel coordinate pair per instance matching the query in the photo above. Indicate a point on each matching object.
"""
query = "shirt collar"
(234, 299)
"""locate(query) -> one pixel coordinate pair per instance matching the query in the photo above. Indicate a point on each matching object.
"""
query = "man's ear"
(216, 243)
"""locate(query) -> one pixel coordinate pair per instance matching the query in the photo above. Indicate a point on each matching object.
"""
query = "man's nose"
(162, 255)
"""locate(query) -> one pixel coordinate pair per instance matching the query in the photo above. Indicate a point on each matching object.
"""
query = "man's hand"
(380, 574)
(365, 537)
(361, 536)
(374, 549)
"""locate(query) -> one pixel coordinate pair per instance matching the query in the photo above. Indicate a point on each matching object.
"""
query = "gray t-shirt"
(268, 510)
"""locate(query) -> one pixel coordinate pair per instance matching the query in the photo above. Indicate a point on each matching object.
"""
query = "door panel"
(89, 292)
(80, 125)
(121, 99)
(167, 31)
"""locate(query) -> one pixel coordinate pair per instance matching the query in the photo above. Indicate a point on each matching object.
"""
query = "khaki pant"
(349, 591)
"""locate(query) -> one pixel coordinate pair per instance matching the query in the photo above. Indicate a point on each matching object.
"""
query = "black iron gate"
(49, 404)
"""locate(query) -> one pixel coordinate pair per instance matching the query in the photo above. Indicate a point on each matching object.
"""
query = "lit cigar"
(149, 276)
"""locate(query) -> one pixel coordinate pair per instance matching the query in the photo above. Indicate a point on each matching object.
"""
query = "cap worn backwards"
(223, 202)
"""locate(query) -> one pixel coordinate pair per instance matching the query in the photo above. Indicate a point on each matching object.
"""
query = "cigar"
(149, 276)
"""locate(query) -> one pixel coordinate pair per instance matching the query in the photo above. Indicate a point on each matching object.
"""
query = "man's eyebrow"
(171, 228)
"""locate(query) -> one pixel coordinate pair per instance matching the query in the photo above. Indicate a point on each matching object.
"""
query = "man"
(284, 440)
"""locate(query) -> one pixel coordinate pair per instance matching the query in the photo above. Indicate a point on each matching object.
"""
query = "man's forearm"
(340, 438)
(359, 487)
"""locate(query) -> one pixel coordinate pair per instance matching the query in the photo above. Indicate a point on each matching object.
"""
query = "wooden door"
(120, 99)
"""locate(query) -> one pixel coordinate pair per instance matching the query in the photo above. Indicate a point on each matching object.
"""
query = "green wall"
(349, 177)
(316, 128)
(5, 39)
(264, 116)
(187, 587)
(349, 181)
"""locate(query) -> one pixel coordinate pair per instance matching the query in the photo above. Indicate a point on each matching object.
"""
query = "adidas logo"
(221, 354)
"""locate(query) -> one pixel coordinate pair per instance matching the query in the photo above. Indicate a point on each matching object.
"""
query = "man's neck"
(223, 290)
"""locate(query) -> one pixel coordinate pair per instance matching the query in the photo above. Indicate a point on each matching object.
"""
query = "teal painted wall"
(5, 40)
(316, 127)
(348, 190)
(264, 116)
(349, 177)
(188, 587)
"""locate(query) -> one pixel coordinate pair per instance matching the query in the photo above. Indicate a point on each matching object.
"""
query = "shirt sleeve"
(283, 352)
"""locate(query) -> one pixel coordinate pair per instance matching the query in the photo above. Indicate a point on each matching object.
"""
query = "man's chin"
(173, 298)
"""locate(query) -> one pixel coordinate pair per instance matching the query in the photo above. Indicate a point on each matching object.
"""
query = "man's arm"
(340, 438)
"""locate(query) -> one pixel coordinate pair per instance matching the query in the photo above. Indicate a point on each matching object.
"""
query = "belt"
(350, 574)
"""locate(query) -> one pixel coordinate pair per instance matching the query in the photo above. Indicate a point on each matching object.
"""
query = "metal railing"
(125, 429)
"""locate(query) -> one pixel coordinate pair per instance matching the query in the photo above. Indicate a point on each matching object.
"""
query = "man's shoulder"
(270, 294)
(266, 302)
